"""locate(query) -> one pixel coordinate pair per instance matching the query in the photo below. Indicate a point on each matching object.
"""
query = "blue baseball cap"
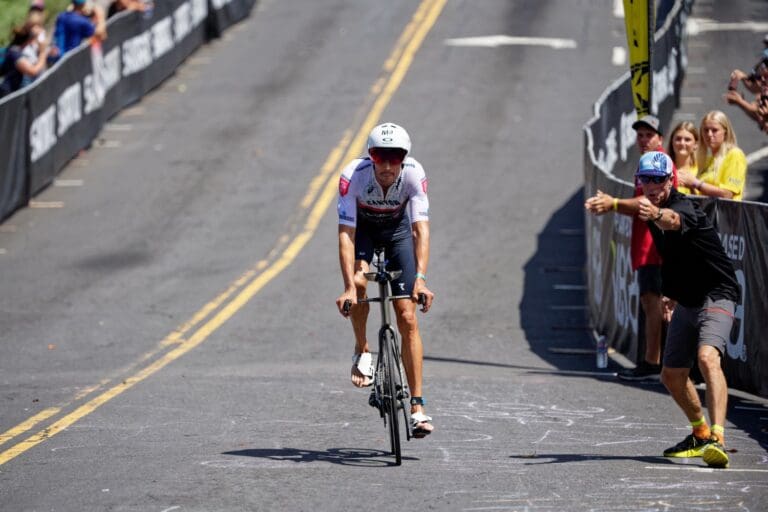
(655, 163)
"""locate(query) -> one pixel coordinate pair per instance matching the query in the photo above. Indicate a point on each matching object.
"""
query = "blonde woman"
(683, 145)
(723, 170)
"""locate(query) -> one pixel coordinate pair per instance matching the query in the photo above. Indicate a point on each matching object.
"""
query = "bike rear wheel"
(391, 374)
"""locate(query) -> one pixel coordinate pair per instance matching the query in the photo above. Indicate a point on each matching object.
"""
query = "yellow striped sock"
(719, 432)
(701, 429)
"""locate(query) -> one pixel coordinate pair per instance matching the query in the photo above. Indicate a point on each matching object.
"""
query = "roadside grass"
(14, 12)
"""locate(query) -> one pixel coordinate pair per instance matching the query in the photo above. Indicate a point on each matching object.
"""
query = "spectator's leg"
(652, 309)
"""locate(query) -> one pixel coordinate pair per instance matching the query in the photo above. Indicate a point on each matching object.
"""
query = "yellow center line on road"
(321, 191)
(28, 424)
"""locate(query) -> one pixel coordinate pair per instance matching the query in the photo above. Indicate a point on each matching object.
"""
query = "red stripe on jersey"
(343, 186)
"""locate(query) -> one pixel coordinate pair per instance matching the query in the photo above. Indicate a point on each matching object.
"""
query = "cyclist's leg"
(401, 257)
(359, 313)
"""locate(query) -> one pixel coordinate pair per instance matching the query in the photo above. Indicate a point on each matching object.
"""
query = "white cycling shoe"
(421, 425)
(362, 366)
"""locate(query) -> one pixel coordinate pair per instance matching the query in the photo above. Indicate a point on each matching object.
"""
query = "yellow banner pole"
(639, 21)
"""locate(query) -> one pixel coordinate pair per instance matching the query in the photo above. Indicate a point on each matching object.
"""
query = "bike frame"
(387, 336)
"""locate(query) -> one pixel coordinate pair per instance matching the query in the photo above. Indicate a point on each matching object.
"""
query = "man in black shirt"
(698, 275)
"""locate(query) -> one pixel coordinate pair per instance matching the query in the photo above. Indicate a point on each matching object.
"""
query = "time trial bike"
(390, 391)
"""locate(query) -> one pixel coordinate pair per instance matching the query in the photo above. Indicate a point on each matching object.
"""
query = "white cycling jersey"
(362, 200)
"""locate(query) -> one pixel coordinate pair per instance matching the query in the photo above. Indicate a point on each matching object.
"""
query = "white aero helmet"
(389, 135)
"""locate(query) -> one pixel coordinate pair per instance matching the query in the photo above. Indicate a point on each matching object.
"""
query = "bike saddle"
(391, 275)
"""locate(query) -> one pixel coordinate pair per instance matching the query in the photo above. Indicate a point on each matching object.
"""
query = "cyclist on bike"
(383, 202)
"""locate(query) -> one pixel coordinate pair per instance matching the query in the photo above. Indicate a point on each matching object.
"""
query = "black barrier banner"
(42, 97)
(56, 132)
(114, 90)
(225, 13)
(614, 293)
(743, 230)
(13, 148)
(175, 30)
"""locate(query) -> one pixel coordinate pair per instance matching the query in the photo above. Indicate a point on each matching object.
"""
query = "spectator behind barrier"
(682, 148)
(81, 21)
(33, 52)
(17, 66)
(723, 170)
(756, 83)
(117, 6)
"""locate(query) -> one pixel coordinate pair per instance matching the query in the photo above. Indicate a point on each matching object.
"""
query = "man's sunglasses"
(391, 155)
(652, 179)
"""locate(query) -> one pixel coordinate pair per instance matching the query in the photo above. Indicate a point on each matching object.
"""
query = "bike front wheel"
(391, 373)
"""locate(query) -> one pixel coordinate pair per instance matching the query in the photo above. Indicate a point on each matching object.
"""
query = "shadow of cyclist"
(361, 457)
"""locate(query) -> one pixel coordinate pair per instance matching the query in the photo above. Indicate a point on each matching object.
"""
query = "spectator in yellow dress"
(722, 165)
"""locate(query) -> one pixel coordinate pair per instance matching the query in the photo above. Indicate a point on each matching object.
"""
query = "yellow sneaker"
(691, 446)
(714, 455)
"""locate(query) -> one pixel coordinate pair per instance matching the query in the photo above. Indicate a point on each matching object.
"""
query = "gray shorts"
(692, 328)
(649, 279)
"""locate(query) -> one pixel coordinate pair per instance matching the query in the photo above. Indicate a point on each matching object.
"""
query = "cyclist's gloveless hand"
(346, 296)
(420, 287)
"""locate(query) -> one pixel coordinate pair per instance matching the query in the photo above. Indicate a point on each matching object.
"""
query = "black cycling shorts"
(398, 254)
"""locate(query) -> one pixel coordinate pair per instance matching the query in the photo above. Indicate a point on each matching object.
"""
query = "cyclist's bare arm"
(347, 263)
(421, 250)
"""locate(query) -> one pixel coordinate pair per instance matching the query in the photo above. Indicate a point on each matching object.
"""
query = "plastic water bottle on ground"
(602, 352)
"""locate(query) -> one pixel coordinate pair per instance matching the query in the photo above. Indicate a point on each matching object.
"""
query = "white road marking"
(67, 183)
(105, 143)
(619, 56)
(700, 469)
(46, 204)
(618, 8)
(133, 111)
(697, 26)
(503, 40)
(757, 155)
(119, 127)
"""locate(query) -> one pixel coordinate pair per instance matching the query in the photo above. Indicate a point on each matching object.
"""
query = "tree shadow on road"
(561, 458)
(362, 457)
(553, 311)
(529, 369)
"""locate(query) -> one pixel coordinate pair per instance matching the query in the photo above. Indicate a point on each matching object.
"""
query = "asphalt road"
(169, 335)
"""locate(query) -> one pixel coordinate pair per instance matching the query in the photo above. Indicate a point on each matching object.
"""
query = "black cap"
(650, 121)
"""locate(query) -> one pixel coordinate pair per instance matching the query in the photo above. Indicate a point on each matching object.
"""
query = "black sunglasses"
(652, 179)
